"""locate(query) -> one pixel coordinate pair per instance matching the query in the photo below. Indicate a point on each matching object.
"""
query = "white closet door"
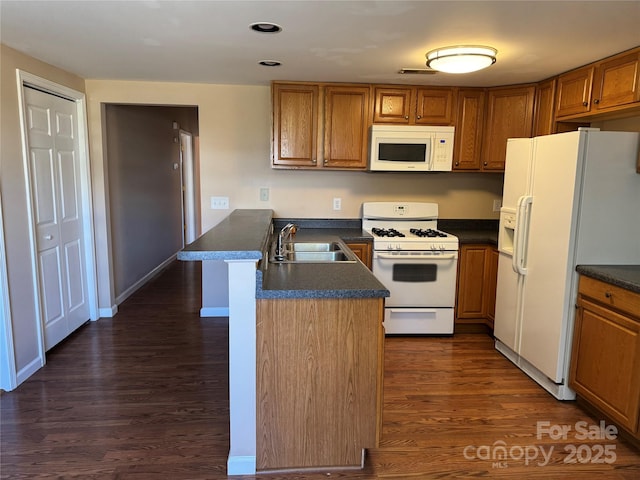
(54, 155)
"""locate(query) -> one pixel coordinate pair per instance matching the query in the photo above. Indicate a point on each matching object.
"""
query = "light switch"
(219, 203)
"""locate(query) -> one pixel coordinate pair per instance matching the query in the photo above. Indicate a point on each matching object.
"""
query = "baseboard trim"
(241, 465)
(131, 290)
(214, 312)
(108, 312)
(28, 370)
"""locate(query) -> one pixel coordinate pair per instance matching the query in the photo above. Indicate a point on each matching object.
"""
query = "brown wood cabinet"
(605, 359)
(509, 115)
(319, 381)
(610, 85)
(320, 125)
(413, 105)
(362, 251)
(477, 275)
(544, 109)
(469, 129)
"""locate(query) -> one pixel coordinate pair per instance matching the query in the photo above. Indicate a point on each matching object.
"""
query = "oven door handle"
(412, 310)
(416, 257)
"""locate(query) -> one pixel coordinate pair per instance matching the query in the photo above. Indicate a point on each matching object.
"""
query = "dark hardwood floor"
(145, 396)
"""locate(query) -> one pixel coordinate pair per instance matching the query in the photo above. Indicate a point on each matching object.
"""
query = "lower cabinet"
(476, 291)
(605, 358)
(362, 251)
(320, 367)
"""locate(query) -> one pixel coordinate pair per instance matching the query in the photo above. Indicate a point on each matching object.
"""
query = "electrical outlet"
(219, 203)
(496, 205)
(264, 194)
(337, 203)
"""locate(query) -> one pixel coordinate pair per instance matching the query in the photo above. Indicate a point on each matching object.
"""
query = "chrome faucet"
(285, 233)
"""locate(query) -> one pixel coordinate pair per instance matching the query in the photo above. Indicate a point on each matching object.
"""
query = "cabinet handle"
(419, 117)
(596, 101)
(486, 163)
(406, 117)
(585, 104)
(457, 163)
(608, 294)
(48, 237)
(313, 160)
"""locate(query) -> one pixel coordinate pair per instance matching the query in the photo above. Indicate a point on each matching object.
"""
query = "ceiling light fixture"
(265, 27)
(461, 59)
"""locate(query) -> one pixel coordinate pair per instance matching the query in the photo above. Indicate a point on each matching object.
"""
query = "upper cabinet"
(509, 115)
(544, 113)
(414, 105)
(320, 125)
(295, 125)
(326, 125)
(469, 129)
(607, 86)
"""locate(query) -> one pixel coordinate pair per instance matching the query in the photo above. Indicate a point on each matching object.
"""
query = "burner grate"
(429, 232)
(387, 232)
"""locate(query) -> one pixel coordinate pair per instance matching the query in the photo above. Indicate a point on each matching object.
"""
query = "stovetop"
(406, 226)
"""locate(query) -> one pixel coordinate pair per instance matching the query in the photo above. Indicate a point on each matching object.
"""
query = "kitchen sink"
(313, 252)
(312, 246)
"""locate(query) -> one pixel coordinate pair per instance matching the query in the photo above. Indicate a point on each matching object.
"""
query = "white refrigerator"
(568, 199)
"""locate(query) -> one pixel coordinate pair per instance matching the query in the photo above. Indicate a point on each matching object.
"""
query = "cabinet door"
(469, 123)
(543, 123)
(617, 81)
(574, 92)
(605, 362)
(362, 251)
(509, 115)
(346, 126)
(471, 282)
(434, 106)
(295, 124)
(392, 105)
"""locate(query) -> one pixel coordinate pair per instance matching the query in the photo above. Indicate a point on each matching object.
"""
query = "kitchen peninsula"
(305, 351)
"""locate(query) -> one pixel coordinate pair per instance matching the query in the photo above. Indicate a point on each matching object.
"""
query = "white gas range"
(416, 262)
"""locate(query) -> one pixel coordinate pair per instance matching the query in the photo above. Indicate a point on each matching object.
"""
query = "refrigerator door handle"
(520, 236)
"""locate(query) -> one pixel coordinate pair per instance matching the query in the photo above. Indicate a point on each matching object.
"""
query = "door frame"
(7, 358)
(47, 86)
(188, 194)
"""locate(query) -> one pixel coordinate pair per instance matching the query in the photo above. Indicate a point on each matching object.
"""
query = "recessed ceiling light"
(270, 63)
(265, 27)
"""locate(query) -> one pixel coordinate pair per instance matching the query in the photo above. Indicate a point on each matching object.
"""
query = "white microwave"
(409, 148)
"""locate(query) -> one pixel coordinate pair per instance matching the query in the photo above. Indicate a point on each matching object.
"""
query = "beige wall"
(14, 200)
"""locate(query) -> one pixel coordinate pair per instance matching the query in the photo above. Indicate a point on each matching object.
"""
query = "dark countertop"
(320, 280)
(472, 231)
(246, 234)
(240, 236)
(623, 276)
(350, 230)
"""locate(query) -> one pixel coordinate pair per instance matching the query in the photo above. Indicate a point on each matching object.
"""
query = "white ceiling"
(210, 41)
